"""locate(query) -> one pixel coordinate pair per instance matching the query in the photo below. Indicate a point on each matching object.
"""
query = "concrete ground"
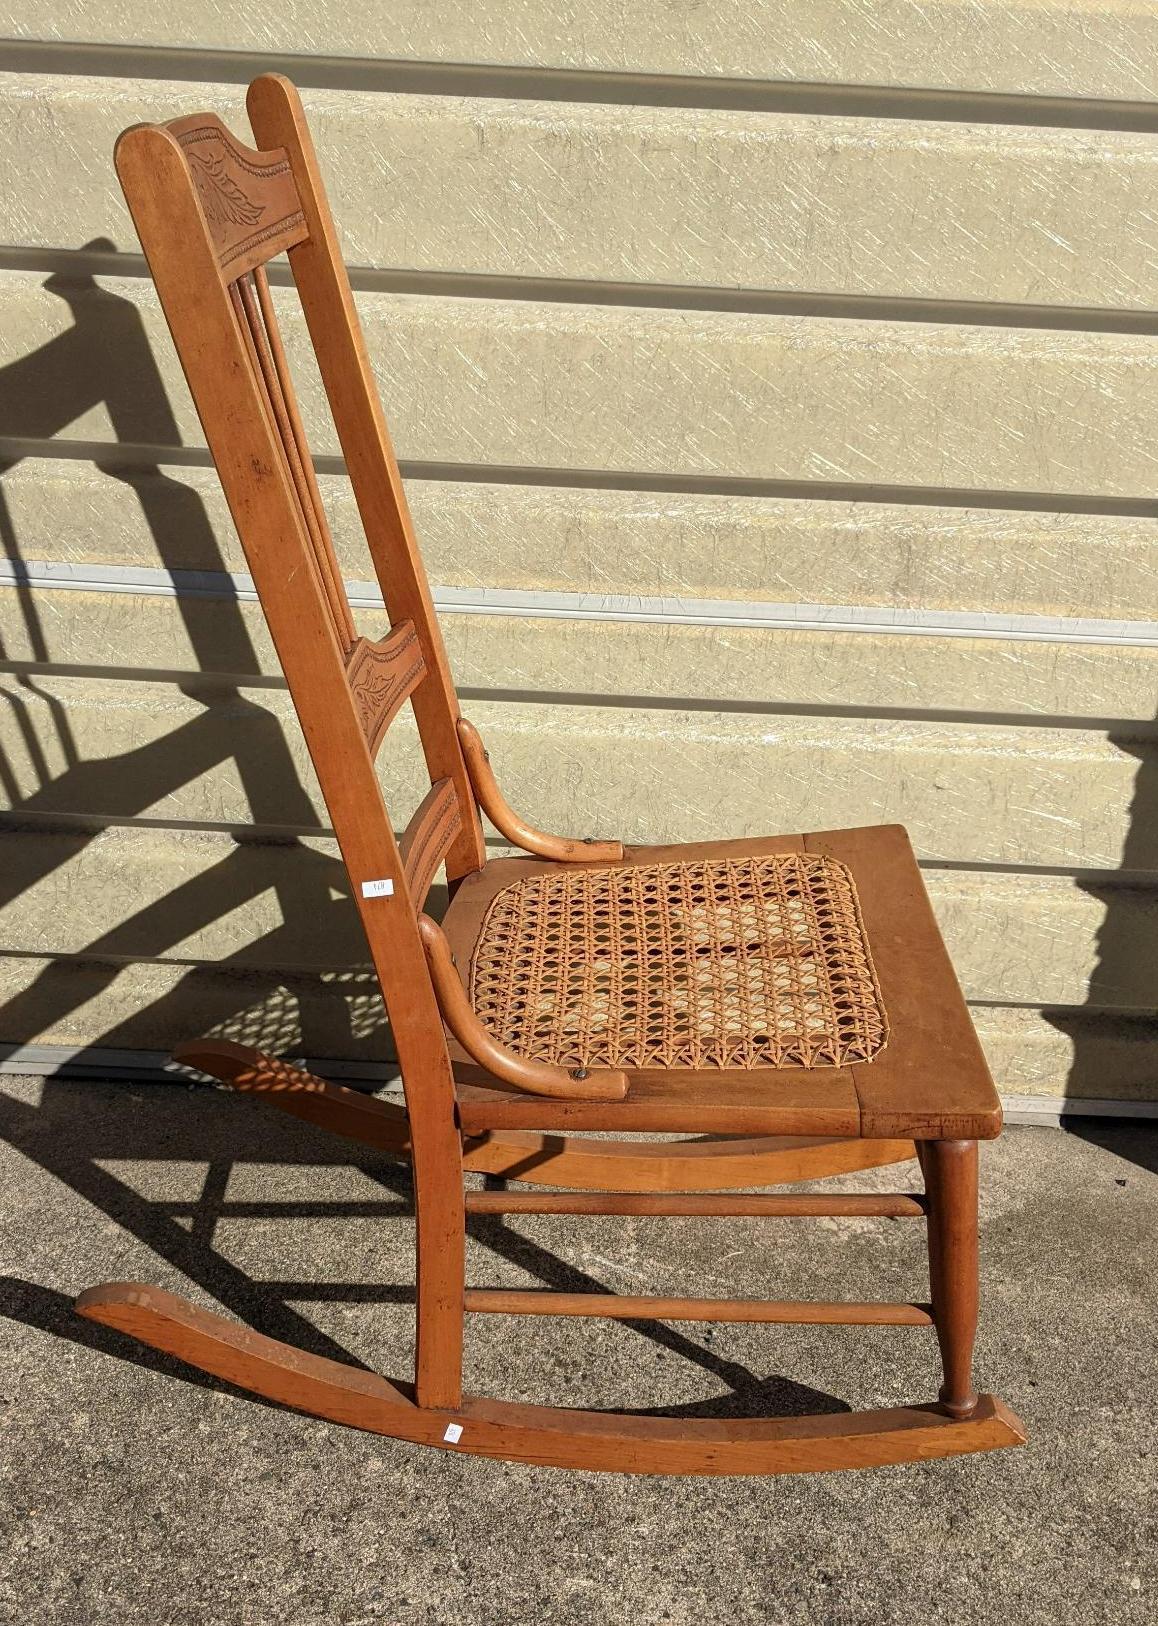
(138, 1492)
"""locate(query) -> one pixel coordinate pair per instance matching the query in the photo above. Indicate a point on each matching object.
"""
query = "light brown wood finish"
(620, 1166)
(252, 462)
(428, 838)
(382, 675)
(624, 1307)
(524, 1077)
(545, 1435)
(791, 1102)
(930, 1081)
(711, 1164)
(301, 461)
(275, 113)
(951, 1182)
(929, 1084)
(249, 199)
(292, 1090)
(867, 1205)
(507, 822)
(266, 351)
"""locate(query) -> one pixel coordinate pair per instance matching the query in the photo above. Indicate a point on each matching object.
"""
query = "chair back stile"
(196, 225)
(319, 270)
(209, 212)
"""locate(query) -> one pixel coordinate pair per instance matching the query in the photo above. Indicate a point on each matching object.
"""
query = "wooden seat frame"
(210, 212)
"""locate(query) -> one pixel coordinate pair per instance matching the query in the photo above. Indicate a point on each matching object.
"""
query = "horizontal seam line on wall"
(607, 86)
(114, 457)
(83, 263)
(363, 975)
(44, 822)
(209, 686)
(1137, 1017)
(609, 607)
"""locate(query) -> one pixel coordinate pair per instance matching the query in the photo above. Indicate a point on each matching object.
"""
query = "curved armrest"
(536, 1077)
(508, 823)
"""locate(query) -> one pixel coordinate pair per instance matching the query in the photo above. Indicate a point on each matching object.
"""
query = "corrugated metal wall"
(777, 387)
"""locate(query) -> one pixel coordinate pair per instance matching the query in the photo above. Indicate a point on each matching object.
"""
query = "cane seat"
(728, 962)
(784, 985)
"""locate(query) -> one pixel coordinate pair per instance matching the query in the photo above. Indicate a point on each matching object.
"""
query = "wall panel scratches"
(775, 385)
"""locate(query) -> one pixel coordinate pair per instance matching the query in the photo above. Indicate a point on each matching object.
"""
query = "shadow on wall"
(105, 359)
(1114, 1055)
(259, 994)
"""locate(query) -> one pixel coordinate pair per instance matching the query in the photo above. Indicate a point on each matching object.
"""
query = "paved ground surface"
(136, 1493)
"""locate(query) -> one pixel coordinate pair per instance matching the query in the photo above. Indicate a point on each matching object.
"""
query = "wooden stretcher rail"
(872, 1205)
(623, 1307)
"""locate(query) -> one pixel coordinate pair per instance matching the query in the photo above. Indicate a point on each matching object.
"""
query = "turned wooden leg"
(950, 1168)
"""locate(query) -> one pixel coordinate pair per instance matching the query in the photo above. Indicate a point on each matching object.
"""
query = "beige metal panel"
(1070, 1053)
(180, 896)
(766, 549)
(971, 794)
(200, 899)
(150, 1005)
(530, 654)
(1047, 940)
(808, 669)
(689, 393)
(974, 794)
(648, 195)
(1105, 48)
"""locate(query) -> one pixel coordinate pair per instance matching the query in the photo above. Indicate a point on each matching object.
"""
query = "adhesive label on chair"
(377, 889)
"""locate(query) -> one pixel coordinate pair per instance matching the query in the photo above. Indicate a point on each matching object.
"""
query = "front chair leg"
(950, 1168)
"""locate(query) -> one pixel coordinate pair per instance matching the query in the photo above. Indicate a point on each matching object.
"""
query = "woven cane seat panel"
(737, 963)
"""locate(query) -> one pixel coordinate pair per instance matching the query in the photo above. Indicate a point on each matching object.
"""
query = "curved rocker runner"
(784, 1005)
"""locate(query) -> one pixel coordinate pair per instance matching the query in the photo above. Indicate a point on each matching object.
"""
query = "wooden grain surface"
(544, 1435)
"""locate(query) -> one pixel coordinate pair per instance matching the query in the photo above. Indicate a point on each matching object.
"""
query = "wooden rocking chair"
(789, 999)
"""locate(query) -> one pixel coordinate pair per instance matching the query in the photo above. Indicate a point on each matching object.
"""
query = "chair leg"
(950, 1168)
(440, 1209)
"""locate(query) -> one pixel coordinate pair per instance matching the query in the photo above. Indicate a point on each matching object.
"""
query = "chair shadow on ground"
(103, 360)
(67, 1139)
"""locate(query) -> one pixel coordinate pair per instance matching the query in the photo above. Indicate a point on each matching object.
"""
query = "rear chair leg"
(950, 1168)
(440, 1210)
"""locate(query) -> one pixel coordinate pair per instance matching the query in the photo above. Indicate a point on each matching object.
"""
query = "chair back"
(211, 212)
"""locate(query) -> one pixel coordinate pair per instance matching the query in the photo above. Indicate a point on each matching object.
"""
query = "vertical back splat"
(258, 322)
